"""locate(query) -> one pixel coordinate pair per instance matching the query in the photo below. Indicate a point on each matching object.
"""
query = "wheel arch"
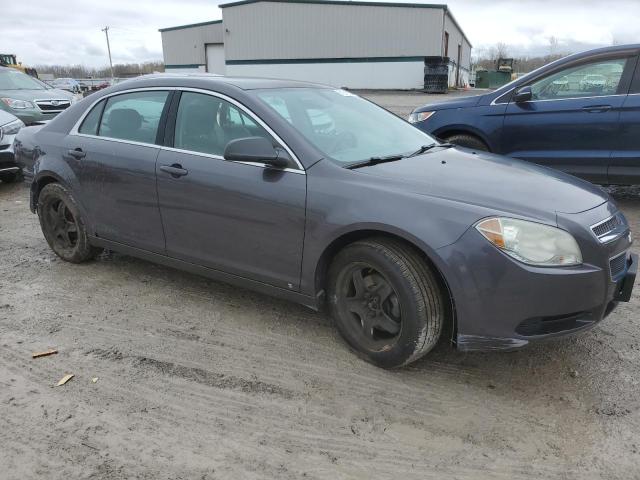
(39, 182)
(347, 238)
(464, 130)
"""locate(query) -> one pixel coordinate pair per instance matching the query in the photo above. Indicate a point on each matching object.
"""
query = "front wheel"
(62, 225)
(468, 141)
(386, 301)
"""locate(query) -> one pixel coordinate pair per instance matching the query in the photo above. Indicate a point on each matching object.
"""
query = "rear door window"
(133, 116)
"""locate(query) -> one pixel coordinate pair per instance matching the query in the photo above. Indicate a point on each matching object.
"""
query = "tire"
(468, 141)
(397, 313)
(63, 226)
(8, 177)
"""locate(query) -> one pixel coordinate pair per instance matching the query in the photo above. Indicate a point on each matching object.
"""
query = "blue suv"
(579, 114)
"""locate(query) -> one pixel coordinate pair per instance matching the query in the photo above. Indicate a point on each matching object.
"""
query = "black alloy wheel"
(386, 301)
(366, 296)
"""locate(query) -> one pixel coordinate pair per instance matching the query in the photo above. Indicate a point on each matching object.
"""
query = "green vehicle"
(29, 99)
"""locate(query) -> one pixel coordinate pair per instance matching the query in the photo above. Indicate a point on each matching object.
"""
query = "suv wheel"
(468, 141)
(386, 301)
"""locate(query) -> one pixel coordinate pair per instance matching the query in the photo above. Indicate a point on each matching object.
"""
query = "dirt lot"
(197, 379)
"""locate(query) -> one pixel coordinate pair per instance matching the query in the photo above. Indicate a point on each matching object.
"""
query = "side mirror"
(254, 149)
(523, 94)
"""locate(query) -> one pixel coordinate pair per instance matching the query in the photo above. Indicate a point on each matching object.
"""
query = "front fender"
(483, 121)
(339, 206)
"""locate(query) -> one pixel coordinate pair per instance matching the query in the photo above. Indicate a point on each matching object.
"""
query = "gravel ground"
(198, 379)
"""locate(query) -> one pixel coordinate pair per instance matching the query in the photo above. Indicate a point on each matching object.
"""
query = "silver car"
(9, 127)
(29, 99)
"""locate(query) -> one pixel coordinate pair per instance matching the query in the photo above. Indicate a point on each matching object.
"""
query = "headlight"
(10, 128)
(416, 117)
(531, 243)
(17, 104)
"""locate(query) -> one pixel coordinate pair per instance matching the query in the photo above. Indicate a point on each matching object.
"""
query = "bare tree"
(119, 70)
(488, 56)
(502, 51)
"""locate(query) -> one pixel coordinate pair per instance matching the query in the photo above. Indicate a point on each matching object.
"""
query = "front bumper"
(31, 116)
(7, 157)
(502, 304)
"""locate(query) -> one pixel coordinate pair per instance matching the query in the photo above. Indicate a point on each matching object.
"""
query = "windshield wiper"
(426, 148)
(375, 161)
(393, 158)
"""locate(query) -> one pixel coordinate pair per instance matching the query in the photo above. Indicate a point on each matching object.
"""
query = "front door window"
(587, 80)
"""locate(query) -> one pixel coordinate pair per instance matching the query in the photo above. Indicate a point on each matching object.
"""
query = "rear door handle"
(597, 108)
(174, 170)
(77, 153)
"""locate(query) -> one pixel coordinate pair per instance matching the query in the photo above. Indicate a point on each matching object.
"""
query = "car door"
(116, 144)
(240, 218)
(571, 121)
(624, 164)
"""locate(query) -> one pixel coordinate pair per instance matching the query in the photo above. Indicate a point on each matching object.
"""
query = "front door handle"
(77, 153)
(597, 108)
(174, 170)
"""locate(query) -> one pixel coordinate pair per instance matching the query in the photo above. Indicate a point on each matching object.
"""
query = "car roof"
(212, 79)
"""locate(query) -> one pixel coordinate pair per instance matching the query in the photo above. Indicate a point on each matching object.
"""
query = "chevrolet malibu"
(315, 195)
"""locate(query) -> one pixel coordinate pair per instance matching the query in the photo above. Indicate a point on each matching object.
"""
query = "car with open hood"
(313, 194)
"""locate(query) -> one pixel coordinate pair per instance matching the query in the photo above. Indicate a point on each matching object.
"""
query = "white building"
(353, 44)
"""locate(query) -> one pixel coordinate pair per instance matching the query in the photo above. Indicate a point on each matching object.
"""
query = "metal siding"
(457, 38)
(187, 45)
(379, 75)
(269, 30)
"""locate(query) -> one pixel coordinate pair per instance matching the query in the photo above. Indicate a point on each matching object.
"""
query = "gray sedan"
(312, 194)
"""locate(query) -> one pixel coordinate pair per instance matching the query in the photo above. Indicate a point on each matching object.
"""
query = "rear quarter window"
(90, 123)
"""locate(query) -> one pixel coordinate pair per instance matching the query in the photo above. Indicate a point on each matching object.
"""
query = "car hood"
(30, 95)
(6, 117)
(501, 183)
(463, 102)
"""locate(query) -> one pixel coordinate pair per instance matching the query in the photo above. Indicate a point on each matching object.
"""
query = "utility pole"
(106, 32)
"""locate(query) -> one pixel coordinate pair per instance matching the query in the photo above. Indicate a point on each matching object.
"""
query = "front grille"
(51, 106)
(617, 265)
(606, 227)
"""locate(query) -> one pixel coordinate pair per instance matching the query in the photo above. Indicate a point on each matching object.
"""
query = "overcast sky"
(46, 32)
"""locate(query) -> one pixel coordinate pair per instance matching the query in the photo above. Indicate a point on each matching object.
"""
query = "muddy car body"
(398, 246)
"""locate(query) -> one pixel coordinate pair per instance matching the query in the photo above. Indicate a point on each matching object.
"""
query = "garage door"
(215, 58)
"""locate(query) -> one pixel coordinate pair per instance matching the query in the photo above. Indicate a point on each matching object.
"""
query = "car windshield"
(343, 126)
(13, 80)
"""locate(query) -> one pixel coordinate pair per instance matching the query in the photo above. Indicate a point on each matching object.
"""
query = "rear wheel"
(468, 141)
(8, 177)
(62, 225)
(386, 301)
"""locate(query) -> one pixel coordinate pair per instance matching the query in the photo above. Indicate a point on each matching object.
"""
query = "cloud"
(94, 50)
(42, 32)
